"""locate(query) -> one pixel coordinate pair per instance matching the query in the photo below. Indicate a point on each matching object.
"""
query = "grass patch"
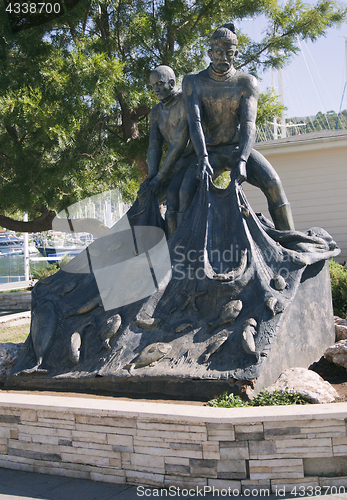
(264, 398)
(14, 333)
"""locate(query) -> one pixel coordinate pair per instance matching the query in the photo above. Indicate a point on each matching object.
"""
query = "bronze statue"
(212, 309)
(221, 107)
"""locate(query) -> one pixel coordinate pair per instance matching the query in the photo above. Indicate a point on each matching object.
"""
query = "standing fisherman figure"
(221, 108)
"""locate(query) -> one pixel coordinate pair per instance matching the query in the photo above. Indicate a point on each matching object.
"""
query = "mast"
(344, 93)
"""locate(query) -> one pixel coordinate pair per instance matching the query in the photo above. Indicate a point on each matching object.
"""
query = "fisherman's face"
(222, 55)
(161, 84)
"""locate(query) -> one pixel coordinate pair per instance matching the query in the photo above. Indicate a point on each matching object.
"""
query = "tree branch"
(41, 223)
(48, 221)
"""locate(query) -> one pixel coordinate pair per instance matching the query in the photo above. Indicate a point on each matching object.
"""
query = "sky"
(315, 78)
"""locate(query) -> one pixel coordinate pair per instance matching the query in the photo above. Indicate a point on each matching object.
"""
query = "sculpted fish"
(149, 355)
(76, 341)
(182, 327)
(44, 324)
(46, 281)
(215, 346)
(68, 288)
(146, 322)
(228, 314)
(279, 283)
(87, 307)
(109, 331)
(274, 306)
(249, 331)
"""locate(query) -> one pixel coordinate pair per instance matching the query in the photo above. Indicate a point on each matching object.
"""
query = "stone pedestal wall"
(15, 301)
(162, 445)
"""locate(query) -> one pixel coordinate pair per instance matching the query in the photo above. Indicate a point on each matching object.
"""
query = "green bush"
(338, 276)
(228, 401)
(263, 398)
(286, 397)
(43, 272)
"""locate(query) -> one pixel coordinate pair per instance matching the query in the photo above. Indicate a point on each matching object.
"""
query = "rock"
(9, 353)
(340, 332)
(340, 321)
(340, 328)
(309, 384)
(337, 353)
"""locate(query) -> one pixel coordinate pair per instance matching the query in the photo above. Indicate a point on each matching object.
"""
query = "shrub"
(286, 397)
(228, 401)
(263, 398)
(43, 272)
(338, 277)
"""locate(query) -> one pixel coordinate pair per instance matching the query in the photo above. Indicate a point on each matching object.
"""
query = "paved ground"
(16, 285)
(18, 485)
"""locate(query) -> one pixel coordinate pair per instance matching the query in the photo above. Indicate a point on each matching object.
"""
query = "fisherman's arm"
(155, 148)
(192, 107)
(174, 154)
(248, 114)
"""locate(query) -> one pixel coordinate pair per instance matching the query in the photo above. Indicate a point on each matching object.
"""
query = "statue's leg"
(173, 203)
(260, 173)
(188, 189)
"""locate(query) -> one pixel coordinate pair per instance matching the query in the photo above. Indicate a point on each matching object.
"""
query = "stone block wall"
(20, 301)
(162, 445)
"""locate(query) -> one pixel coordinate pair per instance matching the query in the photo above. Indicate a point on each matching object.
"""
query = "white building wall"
(314, 175)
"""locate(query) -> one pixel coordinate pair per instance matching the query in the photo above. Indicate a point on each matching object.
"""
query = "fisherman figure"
(168, 123)
(221, 108)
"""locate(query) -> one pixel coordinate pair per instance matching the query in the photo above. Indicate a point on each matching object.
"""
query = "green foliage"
(263, 398)
(286, 397)
(42, 272)
(74, 93)
(338, 277)
(269, 108)
(228, 401)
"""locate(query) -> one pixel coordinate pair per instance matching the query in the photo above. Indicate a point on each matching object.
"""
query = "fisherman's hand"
(204, 168)
(155, 184)
(144, 186)
(241, 174)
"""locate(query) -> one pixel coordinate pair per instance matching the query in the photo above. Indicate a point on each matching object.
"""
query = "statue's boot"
(171, 222)
(282, 217)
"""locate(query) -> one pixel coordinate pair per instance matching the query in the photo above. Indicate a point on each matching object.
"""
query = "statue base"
(306, 330)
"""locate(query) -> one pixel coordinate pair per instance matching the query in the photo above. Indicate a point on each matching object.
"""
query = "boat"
(52, 251)
(10, 244)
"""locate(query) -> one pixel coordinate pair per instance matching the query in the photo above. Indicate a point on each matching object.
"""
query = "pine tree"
(74, 93)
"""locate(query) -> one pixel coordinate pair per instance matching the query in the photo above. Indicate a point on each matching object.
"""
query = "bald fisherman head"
(163, 82)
